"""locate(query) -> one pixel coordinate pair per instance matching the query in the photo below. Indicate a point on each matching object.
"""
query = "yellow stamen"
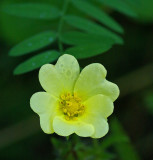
(64, 110)
(71, 106)
(63, 97)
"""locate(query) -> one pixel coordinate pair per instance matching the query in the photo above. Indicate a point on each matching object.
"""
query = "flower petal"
(46, 123)
(110, 89)
(61, 77)
(99, 104)
(45, 106)
(68, 69)
(99, 123)
(50, 80)
(65, 128)
(42, 102)
(101, 127)
(92, 82)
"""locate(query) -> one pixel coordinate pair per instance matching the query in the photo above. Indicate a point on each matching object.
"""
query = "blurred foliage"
(57, 17)
(148, 101)
(78, 148)
(46, 11)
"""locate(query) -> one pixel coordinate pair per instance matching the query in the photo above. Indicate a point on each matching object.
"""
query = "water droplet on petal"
(68, 73)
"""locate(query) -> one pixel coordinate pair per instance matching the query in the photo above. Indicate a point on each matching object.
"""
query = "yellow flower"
(74, 102)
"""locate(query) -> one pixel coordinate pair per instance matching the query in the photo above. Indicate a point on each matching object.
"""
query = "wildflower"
(74, 102)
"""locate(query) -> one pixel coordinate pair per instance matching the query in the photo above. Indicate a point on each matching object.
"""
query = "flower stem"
(61, 21)
(67, 138)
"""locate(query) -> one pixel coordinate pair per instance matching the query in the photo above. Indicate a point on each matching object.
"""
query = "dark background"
(129, 65)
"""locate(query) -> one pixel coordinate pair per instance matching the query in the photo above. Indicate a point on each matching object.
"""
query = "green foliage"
(148, 101)
(114, 139)
(36, 62)
(125, 149)
(91, 27)
(87, 50)
(97, 149)
(33, 10)
(75, 148)
(90, 40)
(80, 38)
(120, 6)
(34, 43)
(98, 14)
(143, 9)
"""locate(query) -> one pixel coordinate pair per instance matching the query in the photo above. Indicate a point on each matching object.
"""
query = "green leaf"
(33, 10)
(148, 100)
(80, 38)
(86, 51)
(91, 27)
(125, 150)
(34, 43)
(113, 139)
(120, 6)
(36, 62)
(108, 156)
(56, 143)
(98, 14)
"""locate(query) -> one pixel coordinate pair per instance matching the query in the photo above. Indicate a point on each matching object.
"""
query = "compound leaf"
(33, 10)
(80, 38)
(91, 27)
(98, 14)
(36, 62)
(120, 6)
(86, 51)
(34, 43)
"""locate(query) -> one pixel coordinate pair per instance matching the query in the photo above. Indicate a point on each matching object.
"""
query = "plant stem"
(65, 6)
(67, 138)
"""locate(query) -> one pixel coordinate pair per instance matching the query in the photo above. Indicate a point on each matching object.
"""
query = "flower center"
(71, 106)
